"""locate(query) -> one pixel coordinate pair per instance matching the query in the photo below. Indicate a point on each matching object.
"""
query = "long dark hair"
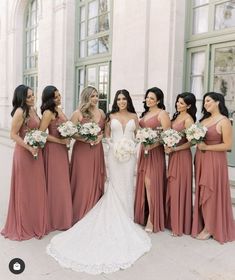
(19, 100)
(190, 99)
(48, 102)
(216, 97)
(130, 106)
(160, 98)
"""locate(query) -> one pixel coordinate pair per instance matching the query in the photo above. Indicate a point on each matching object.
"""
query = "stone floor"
(172, 258)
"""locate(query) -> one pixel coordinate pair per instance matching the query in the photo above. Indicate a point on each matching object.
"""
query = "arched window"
(31, 45)
(93, 55)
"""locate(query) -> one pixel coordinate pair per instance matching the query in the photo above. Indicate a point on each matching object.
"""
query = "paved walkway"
(171, 258)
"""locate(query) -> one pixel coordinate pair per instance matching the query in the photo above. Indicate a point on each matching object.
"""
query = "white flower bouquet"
(36, 139)
(123, 149)
(67, 130)
(170, 137)
(89, 131)
(147, 136)
(195, 133)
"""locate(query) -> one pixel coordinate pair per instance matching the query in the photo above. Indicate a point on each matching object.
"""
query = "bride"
(107, 239)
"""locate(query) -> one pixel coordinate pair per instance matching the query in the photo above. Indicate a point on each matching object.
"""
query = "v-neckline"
(123, 126)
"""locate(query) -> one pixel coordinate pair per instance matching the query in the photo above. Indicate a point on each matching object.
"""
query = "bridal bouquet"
(36, 139)
(195, 133)
(89, 131)
(170, 137)
(123, 149)
(147, 136)
(67, 130)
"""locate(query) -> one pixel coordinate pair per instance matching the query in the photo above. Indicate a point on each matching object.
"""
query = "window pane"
(224, 72)
(92, 26)
(104, 6)
(103, 22)
(33, 18)
(82, 13)
(91, 76)
(27, 37)
(224, 60)
(82, 49)
(32, 47)
(81, 77)
(36, 45)
(200, 20)
(103, 74)
(93, 9)
(27, 62)
(32, 62)
(82, 31)
(197, 74)
(31, 34)
(80, 81)
(36, 61)
(224, 15)
(199, 2)
(103, 105)
(103, 44)
(92, 47)
(27, 20)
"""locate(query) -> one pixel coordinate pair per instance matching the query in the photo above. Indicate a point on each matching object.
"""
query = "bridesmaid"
(27, 212)
(87, 162)
(56, 162)
(179, 181)
(151, 173)
(213, 215)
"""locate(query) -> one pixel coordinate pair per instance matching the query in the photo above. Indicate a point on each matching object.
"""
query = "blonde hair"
(85, 104)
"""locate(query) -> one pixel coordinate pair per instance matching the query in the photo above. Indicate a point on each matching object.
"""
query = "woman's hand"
(150, 147)
(168, 150)
(65, 141)
(202, 146)
(33, 151)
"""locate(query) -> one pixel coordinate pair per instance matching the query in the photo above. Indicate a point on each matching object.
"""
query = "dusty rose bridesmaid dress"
(27, 212)
(212, 206)
(153, 166)
(87, 175)
(179, 188)
(56, 164)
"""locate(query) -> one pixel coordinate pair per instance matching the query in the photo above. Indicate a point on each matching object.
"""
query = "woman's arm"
(164, 120)
(47, 117)
(226, 132)
(188, 122)
(16, 124)
(165, 124)
(75, 119)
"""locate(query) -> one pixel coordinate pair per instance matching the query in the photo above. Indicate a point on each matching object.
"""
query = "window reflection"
(200, 20)
(224, 15)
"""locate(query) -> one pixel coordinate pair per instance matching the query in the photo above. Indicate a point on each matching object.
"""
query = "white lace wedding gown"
(106, 239)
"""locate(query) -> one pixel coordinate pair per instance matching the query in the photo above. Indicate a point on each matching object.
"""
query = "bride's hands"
(109, 142)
